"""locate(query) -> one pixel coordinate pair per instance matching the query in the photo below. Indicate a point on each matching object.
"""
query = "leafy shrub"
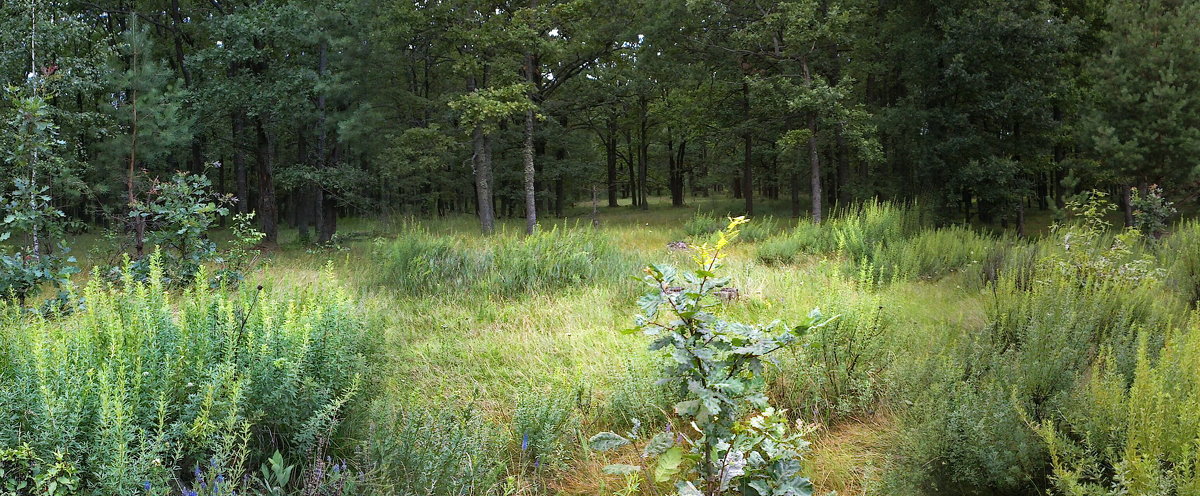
(134, 389)
(28, 209)
(1151, 211)
(436, 451)
(734, 443)
(1134, 437)
(542, 423)
(178, 215)
(702, 225)
(760, 229)
(839, 371)
(967, 432)
(1179, 253)
(505, 265)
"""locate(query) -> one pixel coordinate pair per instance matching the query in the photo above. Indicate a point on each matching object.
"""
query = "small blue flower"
(146, 486)
(525, 442)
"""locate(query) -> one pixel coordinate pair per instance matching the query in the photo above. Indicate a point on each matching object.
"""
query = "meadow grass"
(959, 361)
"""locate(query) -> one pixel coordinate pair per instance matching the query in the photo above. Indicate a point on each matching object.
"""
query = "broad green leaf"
(607, 441)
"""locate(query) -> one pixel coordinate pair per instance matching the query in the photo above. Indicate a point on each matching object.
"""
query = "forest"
(599, 247)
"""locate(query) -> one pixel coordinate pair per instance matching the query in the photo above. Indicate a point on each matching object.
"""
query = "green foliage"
(178, 215)
(506, 265)
(702, 225)
(134, 389)
(541, 426)
(721, 363)
(968, 426)
(934, 253)
(1151, 211)
(856, 232)
(1132, 437)
(444, 451)
(839, 371)
(1179, 253)
(28, 209)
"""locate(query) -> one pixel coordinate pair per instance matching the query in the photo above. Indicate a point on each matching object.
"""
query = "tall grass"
(136, 389)
(420, 262)
(855, 232)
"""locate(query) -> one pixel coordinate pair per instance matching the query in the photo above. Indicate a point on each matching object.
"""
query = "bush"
(1179, 253)
(419, 262)
(542, 425)
(933, 253)
(437, 452)
(968, 432)
(839, 372)
(134, 389)
(701, 225)
(1134, 437)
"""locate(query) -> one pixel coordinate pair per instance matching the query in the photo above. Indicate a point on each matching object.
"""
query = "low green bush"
(1179, 253)
(840, 370)
(968, 431)
(933, 253)
(135, 390)
(1132, 437)
(436, 451)
(702, 224)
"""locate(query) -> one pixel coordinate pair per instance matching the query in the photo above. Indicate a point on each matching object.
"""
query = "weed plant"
(134, 390)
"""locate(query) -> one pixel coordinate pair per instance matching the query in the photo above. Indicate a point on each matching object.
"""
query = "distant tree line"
(324, 108)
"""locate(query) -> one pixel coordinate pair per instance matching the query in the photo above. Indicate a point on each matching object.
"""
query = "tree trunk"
(747, 162)
(268, 213)
(610, 151)
(814, 159)
(530, 190)
(1127, 202)
(643, 152)
(239, 164)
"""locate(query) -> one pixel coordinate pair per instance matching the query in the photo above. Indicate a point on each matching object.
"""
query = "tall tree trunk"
(324, 201)
(643, 152)
(1127, 203)
(239, 163)
(302, 202)
(814, 159)
(794, 186)
(747, 162)
(610, 151)
(633, 184)
(268, 212)
(482, 161)
(843, 167)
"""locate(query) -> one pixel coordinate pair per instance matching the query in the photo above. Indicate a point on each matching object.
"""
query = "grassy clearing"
(960, 361)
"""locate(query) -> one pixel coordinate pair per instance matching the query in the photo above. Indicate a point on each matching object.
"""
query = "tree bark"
(268, 212)
(642, 153)
(239, 163)
(610, 150)
(747, 162)
(814, 159)
(530, 189)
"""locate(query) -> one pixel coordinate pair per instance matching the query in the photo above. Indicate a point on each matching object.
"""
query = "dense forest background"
(307, 110)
